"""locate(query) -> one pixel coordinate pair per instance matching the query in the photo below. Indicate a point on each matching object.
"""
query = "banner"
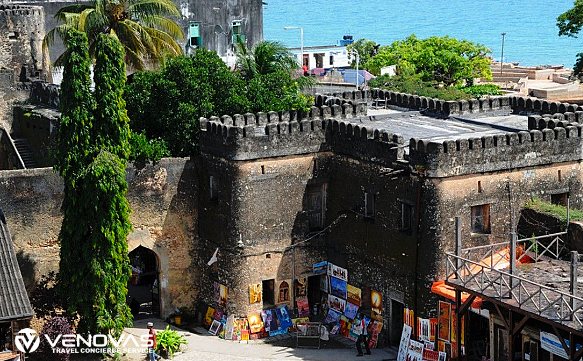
(404, 343)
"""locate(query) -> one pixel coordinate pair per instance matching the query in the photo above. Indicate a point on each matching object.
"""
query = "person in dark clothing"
(362, 333)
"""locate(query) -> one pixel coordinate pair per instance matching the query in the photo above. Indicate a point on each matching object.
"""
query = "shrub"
(55, 327)
(169, 340)
(480, 90)
(554, 210)
(144, 150)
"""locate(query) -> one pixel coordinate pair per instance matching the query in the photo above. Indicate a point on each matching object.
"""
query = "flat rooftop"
(413, 124)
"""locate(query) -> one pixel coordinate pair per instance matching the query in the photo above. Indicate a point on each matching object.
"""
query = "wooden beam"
(467, 304)
(558, 334)
(510, 334)
(502, 316)
(520, 325)
(458, 323)
(578, 354)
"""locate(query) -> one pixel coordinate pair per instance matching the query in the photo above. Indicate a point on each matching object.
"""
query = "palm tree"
(266, 57)
(144, 27)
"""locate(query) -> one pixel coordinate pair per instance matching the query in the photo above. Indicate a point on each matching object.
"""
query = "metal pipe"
(502, 55)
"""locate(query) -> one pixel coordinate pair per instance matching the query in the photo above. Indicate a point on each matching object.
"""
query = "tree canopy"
(365, 48)
(436, 59)
(144, 27)
(570, 23)
(168, 103)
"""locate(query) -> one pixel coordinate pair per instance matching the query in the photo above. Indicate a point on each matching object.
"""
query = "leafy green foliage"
(571, 21)
(144, 27)
(265, 58)
(94, 265)
(144, 150)
(169, 340)
(554, 210)
(436, 59)
(365, 48)
(481, 90)
(167, 104)
(411, 84)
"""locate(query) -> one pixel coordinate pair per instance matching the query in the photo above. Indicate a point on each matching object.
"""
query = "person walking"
(362, 333)
(152, 355)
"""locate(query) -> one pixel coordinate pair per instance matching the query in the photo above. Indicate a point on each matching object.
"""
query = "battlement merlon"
(20, 10)
(266, 135)
(495, 153)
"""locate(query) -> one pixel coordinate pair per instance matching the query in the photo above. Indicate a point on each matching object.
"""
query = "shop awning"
(443, 290)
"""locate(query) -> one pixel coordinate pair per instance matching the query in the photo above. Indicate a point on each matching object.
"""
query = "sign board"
(404, 344)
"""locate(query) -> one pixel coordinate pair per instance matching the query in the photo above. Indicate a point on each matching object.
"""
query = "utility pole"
(502, 55)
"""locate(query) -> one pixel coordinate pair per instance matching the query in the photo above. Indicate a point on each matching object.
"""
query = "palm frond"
(143, 8)
(82, 21)
(70, 9)
(168, 26)
(163, 41)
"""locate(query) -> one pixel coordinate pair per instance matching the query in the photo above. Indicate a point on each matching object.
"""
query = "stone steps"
(23, 148)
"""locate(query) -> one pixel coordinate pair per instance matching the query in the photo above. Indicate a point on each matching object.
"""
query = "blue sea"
(530, 25)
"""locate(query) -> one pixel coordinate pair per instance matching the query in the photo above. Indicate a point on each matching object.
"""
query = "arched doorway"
(144, 284)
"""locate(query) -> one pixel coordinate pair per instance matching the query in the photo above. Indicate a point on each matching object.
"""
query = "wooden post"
(573, 280)
(458, 323)
(510, 335)
(458, 243)
(513, 239)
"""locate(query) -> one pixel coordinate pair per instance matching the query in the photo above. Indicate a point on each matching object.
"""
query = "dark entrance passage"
(144, 285)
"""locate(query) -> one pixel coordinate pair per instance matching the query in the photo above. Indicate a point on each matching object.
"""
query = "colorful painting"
(374, 329)
(376, 305)
(429, 345)
(338, 287)
(354, 295)
(415, 352)
(424, 329)
(430, 355)
(332, 317)
(270, 322)
(324, 284)
(255, 293)
(214, 330)
(300, 320)
(337, 272)
(443, 321)
(433, 329)
(223, 295)
(209, 316)
(301, 287)
(218, 315)
(441, 346)
(303, 306)
(404, 343)
(283, 292)
(320, 268)
(345, 326)
(350, 310)
(255, 322)
(336, 303)
(408, 317)
(284, 317)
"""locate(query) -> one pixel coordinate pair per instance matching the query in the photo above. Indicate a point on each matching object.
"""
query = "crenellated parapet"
(495, 153)
(264, 135)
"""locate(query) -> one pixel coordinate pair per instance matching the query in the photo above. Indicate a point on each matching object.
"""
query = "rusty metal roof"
(14, 302)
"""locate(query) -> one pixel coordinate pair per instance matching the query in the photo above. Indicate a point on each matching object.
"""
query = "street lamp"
(353, 51)
(301, 29)
(502, 55)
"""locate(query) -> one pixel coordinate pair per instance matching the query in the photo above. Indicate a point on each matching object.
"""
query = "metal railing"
(491, 271)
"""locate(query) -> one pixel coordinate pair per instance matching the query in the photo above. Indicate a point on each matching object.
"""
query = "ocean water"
(530, 25)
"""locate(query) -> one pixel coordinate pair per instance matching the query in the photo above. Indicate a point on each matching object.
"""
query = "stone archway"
(144, 284)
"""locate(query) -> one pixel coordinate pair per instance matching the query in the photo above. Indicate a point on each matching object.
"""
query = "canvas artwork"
(404, 343)
(284, 317)
(430, 355)
(338, 287)
(432, 329)
(374, 329)
(350, 310)
(255, 293)
(354, 295)
(303, 307)
(301, 287)
(214, 330)
(424, 330)
(218, 315)
(320, 268)
(229, 327)
(338, 272)
(443, 320)
(429, 345)
(209, 316)
(255, 322)
(415, 352)
(270, 322)
(345, 326)
(332, 317)
(442, 356)
(376, 305)
(336, 303)
(441, 346)
(223, 295)
(283, 293)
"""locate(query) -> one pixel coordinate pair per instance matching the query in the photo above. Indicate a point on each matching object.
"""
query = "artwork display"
(354, 295)
(303, 307)
(404, 343)
(270, 322)
(424, 329)
(214, 330)
(333, 316)
(336, 303)
(432, 329)
(441, 346)
(415, 351)
(220, 294)
(324, 284)
(430, 355)
(255, 293)
(443, 321)
(374, 329)
(338, 287)
(255, 322)
(429, 345)
(209, 316)
(408, 317)
(301, 287)
(376, 305)
(350, 310)
(284, 318)
(218, 315)
(338, 272)
(320, 268)
(442, 356)
(283, 292)
(229, 327)
(345, 326)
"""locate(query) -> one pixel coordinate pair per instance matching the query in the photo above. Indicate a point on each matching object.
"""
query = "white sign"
(415, 352)
(404, 344)
(551, 343)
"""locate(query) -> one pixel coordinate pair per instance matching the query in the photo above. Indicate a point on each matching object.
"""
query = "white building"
(323, 57)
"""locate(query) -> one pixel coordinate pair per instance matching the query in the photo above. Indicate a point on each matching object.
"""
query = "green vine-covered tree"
(92, 150)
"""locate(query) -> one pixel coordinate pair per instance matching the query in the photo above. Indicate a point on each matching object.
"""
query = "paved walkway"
(211, 348)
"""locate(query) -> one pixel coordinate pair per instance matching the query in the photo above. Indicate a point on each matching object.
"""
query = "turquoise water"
(530, 25)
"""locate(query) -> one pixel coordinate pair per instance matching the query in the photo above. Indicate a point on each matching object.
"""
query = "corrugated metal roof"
(14, 302)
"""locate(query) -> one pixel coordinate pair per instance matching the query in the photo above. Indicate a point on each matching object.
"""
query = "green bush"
(169, 340)
(480, 90)
(554, 210)
(414, 85)
(144, 150)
